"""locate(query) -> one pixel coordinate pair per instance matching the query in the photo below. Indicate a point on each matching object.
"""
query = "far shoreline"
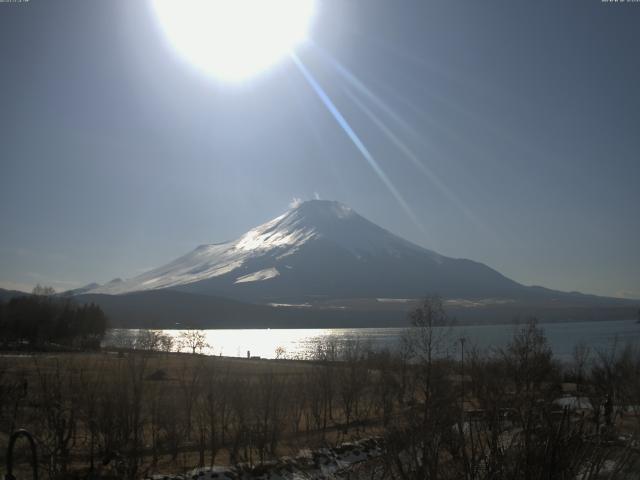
(520, 321)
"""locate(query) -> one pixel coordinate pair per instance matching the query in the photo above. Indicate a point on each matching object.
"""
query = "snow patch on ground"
(395, 300)
(484, 302)
(574, 403)
(298, 305)
(325, 464)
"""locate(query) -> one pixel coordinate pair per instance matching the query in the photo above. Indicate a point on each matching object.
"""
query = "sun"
(234, 39)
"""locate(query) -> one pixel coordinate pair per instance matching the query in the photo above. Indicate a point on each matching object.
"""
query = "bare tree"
(57, 406)
(297, 400)
(533, 377)
(419, 441)
(166, 343)
(43, 291)
(352, 378)
(90, 389)
(581, 355)
(136, 373)
(281, 352)
(196, 340)
(386, 384)
(213, 408)
(148, 340)
(122, 339)
(190, 388)
(268, 422)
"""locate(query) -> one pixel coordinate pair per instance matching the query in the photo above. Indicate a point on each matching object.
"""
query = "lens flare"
(364, 151)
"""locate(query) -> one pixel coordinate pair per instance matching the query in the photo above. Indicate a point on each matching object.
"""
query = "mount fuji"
(322, 264)
(319, 250)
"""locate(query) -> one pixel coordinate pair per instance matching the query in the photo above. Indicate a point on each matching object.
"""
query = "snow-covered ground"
(325, 463)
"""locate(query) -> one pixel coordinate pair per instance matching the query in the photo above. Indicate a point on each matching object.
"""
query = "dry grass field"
(85, 408)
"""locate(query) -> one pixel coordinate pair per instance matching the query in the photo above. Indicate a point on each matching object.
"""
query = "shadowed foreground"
(511, 413)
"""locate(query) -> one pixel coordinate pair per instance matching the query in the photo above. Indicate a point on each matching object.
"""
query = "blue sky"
(511, 130)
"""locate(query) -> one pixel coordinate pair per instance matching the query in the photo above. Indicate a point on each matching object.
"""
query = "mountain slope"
(6, 295)
(318, 250)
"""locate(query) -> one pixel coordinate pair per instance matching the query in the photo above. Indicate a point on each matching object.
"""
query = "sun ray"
(342, 122)
(367, 93)
(363, 89)
(411, 156)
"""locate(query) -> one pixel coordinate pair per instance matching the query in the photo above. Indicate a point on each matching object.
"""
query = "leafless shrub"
(57, 405)
(194, 340)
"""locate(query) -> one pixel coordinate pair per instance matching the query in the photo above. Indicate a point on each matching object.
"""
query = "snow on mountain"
(265, 274)
(280, 237)
(318, 248)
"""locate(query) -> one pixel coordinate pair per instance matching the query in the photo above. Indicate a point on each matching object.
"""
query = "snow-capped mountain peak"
(300, 224)
(282, 235)
(318, 247)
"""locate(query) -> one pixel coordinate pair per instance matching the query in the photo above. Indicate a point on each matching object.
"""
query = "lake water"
(301, 343)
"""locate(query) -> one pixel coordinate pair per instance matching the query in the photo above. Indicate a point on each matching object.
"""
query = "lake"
(300, 343)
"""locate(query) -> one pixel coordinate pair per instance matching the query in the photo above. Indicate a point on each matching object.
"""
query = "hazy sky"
(523, 117)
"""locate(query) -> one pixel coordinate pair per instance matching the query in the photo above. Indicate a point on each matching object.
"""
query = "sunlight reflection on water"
(301, 343)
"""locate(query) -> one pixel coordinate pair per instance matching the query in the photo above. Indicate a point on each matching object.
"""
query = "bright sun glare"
(234, 39)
